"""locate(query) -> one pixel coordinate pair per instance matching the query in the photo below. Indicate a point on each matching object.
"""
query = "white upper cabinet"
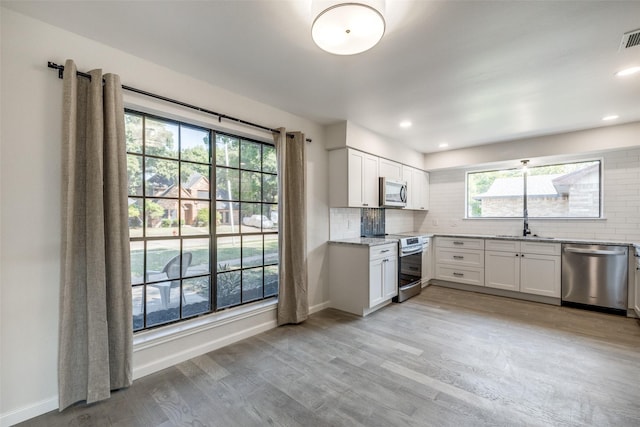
(417, 188)
(353, 179)
(390, 169)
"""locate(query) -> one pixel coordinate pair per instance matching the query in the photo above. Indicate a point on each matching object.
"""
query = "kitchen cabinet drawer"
(502, 245)
(462, 257)
(383, 251)
(470, 276)
(459, 243)
(541, 248)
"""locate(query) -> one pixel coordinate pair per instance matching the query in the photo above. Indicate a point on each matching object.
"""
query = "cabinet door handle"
(458, 257)
(458, 243)
(517, 254)
(522, 255)
(458, 274)
(386, 250)
(365, 204)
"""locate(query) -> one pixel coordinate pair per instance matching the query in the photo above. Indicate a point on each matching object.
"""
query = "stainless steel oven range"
(409, 267)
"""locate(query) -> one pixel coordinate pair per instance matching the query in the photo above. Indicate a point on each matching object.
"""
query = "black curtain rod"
(220, 116)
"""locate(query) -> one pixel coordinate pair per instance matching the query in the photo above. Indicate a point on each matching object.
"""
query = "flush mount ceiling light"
(406, 124)
(443, 145)
(611, 117)
(348, 28)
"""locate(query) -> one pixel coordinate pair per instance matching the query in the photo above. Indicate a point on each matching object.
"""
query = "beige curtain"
(95, 327)
(293, 304)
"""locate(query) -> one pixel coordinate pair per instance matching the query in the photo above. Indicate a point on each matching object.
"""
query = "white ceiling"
(464, 72)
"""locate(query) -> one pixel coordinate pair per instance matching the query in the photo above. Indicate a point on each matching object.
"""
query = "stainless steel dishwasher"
(595, 276)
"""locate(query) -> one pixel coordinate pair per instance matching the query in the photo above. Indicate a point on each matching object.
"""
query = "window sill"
(146, 339)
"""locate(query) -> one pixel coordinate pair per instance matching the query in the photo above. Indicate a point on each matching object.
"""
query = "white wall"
(350, 134)
(30, 209)
(579, 142)
(621, 204)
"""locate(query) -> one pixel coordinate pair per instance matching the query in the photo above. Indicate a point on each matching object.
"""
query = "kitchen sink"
(513, 236)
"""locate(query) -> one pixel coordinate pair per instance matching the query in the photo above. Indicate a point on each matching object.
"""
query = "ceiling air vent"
(630, 39)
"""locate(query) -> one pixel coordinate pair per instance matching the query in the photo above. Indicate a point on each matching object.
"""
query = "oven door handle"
(410, 252)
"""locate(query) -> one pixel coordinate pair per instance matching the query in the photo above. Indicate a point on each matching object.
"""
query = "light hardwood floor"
(444, 358)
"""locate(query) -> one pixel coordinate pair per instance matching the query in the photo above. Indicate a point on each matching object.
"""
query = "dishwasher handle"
(593, 251)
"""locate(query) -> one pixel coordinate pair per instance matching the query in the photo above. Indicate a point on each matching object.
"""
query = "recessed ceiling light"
(628, 71)
(611, 117)
(443, 145)
(405, 124)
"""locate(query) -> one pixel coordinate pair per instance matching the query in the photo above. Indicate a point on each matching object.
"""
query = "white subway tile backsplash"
(621, 206)
(344, 223)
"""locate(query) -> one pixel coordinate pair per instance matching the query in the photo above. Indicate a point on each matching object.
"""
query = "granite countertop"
(365, 241)
(540, 239)
(373, 241)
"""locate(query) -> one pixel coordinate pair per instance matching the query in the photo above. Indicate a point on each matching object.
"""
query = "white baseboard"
(28, 412)
(319, 307)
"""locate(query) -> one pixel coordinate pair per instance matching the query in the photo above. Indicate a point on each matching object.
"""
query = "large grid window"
(565, 190)
(246, 220)
(172, 231)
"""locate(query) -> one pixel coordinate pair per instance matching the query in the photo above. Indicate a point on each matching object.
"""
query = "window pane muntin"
(196, 296)
(162, 218)
(200, 256)
(546, 197)
(227, 218)
(252, 284)
(270, 218)
(137, 301)
(227, 151)
(269, 160)
(133, 132)
(161, 138)
(250, 155)
(158, 254)
(134, 175)
(252, 251)
(228, 289)
(227, 184)
(228, 251)
(252, 218)
(194, 179)
(269, 188)
(135, 216)
(161, 177)
(271, 249)
(271, 280)
(195, 144)
(136, 255)
(250, 186)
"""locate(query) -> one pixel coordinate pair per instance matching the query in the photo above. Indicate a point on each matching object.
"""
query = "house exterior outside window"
(192, 254)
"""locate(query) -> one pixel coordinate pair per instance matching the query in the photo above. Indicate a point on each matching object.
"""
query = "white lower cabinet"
(460, 260)
(362, 278)
(529, 267)
(383, 283)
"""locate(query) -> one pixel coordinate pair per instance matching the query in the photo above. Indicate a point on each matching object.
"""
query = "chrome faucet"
(526, 231)
(525, 213)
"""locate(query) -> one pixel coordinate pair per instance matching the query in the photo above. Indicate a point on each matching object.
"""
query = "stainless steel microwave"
(393, 193)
